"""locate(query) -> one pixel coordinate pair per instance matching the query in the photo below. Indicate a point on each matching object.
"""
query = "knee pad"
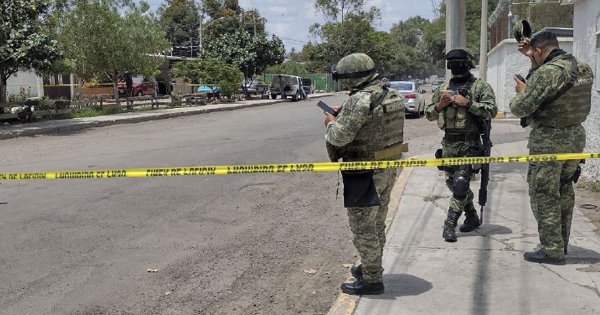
(449, 182)
(460, 187)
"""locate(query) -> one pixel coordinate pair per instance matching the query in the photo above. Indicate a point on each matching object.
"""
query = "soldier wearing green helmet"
(462, 107)
(369, 126)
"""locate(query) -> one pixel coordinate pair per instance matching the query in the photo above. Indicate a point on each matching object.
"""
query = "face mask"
(458, 67)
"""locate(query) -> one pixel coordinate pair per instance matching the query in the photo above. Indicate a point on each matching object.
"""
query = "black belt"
(462, 137)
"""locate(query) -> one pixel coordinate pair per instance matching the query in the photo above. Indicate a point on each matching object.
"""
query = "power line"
(294, 40)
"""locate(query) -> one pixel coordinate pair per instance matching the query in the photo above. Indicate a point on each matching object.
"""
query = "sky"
(290, 20)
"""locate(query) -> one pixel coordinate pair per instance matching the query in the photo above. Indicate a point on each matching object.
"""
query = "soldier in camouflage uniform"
(459, 105)
(555, 100)
(369, 127)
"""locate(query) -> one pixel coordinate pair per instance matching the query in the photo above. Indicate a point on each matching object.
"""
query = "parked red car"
(141, 86)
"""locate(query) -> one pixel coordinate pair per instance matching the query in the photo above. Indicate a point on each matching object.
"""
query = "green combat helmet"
(521, 30)
(354, 70)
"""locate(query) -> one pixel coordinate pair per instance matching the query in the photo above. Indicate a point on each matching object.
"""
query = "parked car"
(414, 102)
(253, 87)
(435, 84)
(141, 86)
(288, 84)
(212, 90)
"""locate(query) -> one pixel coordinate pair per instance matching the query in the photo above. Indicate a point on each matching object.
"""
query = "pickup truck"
(140, 87)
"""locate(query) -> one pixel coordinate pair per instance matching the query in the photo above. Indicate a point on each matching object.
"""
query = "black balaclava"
(460, 69)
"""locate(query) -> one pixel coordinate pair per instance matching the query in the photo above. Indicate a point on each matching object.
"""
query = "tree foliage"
(288, 67)
(542, 15)
(23, 44)
(238, 37)
(181, 21)
(210, 71)
(435, 32)
(251, 54)
(108, 37)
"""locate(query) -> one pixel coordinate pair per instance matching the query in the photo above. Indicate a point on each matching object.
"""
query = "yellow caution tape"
(290, 167)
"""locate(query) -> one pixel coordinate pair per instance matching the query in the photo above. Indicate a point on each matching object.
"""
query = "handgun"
(520, 78)
(326, 108)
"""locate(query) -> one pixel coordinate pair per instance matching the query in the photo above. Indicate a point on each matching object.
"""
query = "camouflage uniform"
(370, 121)
(462, 138)
(556, 128)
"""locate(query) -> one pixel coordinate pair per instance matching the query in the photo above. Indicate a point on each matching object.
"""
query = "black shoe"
(449, 234)
(357, 272)
(470, 224)
(359, 287)
(540, 256)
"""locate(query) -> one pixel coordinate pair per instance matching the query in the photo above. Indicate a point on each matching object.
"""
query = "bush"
(210, 71)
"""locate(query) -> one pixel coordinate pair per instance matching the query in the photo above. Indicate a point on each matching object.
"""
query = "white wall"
(504, 61)
(586, 25)
(27, 80)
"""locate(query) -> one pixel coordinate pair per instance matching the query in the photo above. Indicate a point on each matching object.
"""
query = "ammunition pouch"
(359, 189)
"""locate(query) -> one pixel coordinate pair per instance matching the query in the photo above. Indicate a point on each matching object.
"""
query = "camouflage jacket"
(555, 126)
(360, 130)
(544, 84)
(483, 102)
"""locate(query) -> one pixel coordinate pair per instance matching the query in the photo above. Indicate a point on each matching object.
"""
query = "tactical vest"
(380, 138)
(458, 119)
(573, 106)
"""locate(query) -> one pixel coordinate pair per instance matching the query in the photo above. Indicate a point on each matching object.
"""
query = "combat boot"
(357, 271)
(471, 221)
(360, 287)
(449, 234)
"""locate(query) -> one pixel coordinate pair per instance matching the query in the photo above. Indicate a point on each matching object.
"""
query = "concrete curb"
(345, 304)
(77, 124)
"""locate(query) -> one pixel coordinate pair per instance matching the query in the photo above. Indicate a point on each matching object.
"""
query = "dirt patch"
(587, 200)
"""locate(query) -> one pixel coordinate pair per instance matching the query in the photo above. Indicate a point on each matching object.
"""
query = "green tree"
(108, 37)
(337, 10)
(288, 67)
(210, 71)
(435, 32)
(542, 15)
(23, 43)
(181, 20)
(250, 54)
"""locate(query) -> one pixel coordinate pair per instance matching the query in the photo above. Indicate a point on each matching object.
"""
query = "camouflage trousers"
(460, 149)
(552, 202)
(368, 227)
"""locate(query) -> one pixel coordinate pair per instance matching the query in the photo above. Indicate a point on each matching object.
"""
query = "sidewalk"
(50, 126)
(484, 272)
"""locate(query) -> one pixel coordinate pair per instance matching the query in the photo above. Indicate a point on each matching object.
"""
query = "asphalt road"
(253, 244)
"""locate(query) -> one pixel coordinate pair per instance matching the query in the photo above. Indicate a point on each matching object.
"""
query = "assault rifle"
(486, 125)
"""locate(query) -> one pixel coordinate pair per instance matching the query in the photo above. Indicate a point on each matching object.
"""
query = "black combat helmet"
(459, 54)
(459, 61)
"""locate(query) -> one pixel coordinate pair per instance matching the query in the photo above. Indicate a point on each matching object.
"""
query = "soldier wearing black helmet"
(369, 127)
(459, 106)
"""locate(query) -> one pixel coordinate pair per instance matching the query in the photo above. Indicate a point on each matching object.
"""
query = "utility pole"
(456, 26)
(483, 47)
(201, 19)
